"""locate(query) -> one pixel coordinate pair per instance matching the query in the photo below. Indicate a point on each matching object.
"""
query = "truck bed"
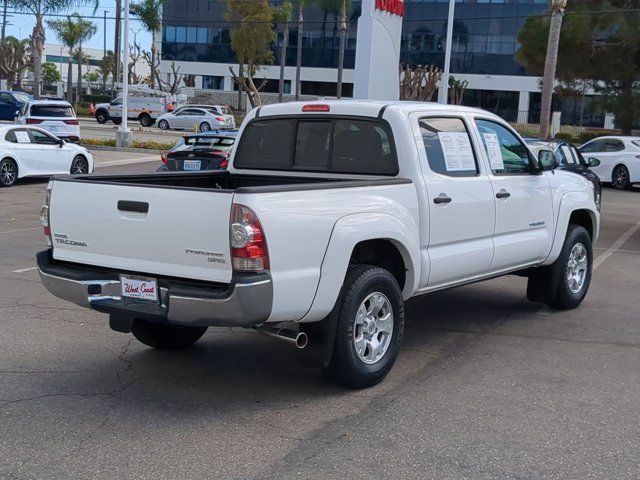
(228, 182)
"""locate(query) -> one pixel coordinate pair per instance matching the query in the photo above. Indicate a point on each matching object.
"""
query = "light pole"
(104, 50)
(443, 92)
(123, 135)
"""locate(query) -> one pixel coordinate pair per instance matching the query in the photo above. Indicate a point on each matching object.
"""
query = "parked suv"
(54, 116)
(11, 103)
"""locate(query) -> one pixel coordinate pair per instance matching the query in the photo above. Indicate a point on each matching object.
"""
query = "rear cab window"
(359, 146)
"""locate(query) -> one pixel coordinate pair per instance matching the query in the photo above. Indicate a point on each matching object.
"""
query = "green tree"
(150, 14)
(600, 44)
(40, 8)
(86, 30)
(50, 73)
(66, 32)
(13, 59)
(282, 14)
(252, 35)
(107, 67)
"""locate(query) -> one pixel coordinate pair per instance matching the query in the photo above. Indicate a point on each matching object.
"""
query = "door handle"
(131, 206)
(442, 199)
(503, 194)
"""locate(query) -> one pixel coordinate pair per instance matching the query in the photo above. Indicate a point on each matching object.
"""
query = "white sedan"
(27, 151)
(192, 118)
(619, 159)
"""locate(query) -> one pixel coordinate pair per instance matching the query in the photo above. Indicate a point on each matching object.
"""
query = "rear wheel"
(163, 125)
(8, 172)
(146, 120)
(620, 178)
(102, 116)
(204, 127)
(79, 166)
(370, 327)
(166, 337)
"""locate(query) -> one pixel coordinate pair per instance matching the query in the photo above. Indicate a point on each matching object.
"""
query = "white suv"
(54, 116)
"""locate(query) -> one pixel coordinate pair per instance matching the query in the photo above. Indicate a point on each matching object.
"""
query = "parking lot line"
(616, 246)
(22, 270)
(127, 161)
(20, 230)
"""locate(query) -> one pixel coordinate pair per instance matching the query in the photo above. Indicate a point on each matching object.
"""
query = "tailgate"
(184, 233)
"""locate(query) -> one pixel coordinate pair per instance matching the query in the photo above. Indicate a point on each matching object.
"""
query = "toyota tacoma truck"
(330, 216)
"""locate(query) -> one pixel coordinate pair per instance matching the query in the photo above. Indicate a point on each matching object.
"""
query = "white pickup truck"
(330, 216)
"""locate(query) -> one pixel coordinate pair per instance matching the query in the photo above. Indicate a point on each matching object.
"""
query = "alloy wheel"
(8, 172)
(620, 177)
(79, 166)
(373, 328)
(576, 272)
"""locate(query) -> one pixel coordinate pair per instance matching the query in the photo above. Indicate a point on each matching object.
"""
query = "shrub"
(584, 137)
(111, 142)
(565, 136)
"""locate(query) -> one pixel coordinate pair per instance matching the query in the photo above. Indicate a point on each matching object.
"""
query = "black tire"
(8, 172)
(166, 337)
(552, 285)
(116, 121)
(204, 127)
(146, 120)
(102, 116)
(346, 366)
(79, 166)
(620, 178)
(163, 125)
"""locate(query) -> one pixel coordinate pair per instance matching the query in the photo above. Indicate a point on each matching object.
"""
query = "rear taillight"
(220, 119)
(44, 214)
(223, 164)
(33, 121)
(71, 122)
(248, 243)
(163, 157)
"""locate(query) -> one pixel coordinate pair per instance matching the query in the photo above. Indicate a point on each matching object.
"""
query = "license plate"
(192, 164)
(142, 289)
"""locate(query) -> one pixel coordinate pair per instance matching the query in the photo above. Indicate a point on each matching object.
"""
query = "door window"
(506, 153)
(6, 98)
(42, 138)
(18, 136)
(448, 147)
(593, 146)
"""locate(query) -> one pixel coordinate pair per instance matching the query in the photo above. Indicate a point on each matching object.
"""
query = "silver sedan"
(193, 119)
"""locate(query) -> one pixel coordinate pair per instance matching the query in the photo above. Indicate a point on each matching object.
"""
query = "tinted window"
(42, 138)
(21, 97)
(57, 111)
(332, 145)
(448, 147)
(611, 145)
(507, 155)
(6, 98)
(593, 146)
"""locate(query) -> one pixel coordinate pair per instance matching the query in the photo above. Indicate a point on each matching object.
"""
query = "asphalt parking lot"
(487, 386)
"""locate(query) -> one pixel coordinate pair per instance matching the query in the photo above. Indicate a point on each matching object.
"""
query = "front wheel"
(370, 327)
(146, 120)
(163, 125)
(620, 178)
(564, 284)
(102, 116)
(8, 172)
(79, 166)
(166, 337)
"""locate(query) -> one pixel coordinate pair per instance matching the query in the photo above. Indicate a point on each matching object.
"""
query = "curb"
(120, 149)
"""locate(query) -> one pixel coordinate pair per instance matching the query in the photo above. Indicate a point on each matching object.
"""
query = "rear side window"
(337, 145)
(611, 145)
(448, 147)
(57, 111)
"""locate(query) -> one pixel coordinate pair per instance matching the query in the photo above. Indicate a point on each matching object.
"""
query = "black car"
(202, 151)
(570, 159)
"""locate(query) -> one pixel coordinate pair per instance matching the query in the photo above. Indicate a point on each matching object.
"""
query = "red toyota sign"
(396, 7)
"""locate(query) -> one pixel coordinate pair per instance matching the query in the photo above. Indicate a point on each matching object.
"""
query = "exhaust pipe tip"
(302, 340)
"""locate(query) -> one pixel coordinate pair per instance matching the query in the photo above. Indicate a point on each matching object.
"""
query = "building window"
(169, 34)
(212, 82)
(192, 33)
(181, 34)
(203, 35)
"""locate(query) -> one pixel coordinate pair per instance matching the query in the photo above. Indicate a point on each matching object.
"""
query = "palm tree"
(40, 8)
(66, 32)
(551, 60)
(301, 5)
(150, 14)
(283, 14)
(86, 30)
(344, 4)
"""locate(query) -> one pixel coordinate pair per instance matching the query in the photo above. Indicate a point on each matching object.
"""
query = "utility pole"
(123, 134)
(117, 46)
(104, 51)
(443, 92)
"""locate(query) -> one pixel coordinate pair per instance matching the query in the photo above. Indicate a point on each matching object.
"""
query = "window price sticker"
(458, 154)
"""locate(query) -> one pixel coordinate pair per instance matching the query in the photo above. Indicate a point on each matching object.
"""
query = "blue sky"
(20, 26)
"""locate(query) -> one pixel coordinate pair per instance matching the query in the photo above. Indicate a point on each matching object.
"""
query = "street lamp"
(123, 135)
(443, 92)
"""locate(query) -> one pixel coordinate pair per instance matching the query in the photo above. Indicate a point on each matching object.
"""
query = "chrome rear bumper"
(245, 302)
